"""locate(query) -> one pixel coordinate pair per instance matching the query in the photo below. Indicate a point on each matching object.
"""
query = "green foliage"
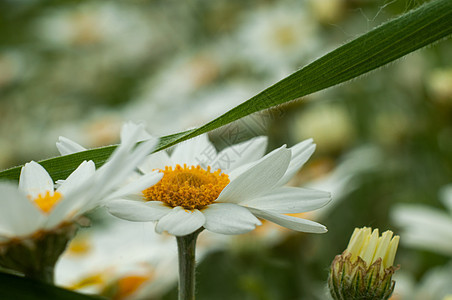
(14, 287)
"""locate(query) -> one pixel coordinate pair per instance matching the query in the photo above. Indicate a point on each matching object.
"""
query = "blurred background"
(384, 141)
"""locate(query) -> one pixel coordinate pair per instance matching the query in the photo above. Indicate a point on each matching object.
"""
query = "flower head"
(224, 192)
(189, 187)
(364, 270)
(94, 262)
(40, 212)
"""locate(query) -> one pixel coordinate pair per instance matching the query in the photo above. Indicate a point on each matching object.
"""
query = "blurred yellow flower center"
(93, 280)
(190, 187)
(79, 247)
(47, 202)
(130, 284)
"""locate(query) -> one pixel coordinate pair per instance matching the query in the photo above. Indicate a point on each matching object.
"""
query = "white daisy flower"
(277, 38)
(426, 227)
(434, 284)
(36, 205)
(194, 192)
(94, 260)
(36, 210)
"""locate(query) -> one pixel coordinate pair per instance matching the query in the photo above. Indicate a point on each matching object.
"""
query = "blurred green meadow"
(81, 68)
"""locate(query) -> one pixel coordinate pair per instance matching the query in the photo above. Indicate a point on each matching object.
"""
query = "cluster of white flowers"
(181, 193)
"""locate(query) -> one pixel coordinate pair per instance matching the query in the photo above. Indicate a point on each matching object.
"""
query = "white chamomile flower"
(195, 193)
(94, 261)
(36, 205)
(36, 211)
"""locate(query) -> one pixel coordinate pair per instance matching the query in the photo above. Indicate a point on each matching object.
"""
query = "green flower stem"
(186, 246)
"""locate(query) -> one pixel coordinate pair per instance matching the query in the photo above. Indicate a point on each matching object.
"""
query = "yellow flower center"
(190, 187)
(93, 280)
(47, 202)
(79, 246)
(130, 284)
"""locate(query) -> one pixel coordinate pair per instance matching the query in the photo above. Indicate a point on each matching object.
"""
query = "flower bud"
(364, 270)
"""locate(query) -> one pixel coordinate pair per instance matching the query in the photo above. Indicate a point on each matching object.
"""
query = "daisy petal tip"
(158, 230)
(32, 163)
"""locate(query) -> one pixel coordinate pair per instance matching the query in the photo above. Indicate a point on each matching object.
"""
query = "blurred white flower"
(36, 205)
(119, 259)
(439, 84)
(37, 221)
(12, 67)
(327, 11)
(278, 39)
(391, 127)
(199, 194)
(434, 285)
(425, 227)
(106, 26)
(186, 106)
(346, 176)
(329, 123)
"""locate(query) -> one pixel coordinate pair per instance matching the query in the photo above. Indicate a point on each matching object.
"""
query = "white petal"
(446, 196)
(180, 222)
(136, 186)
(196, 151)
(35, 180)
(75, 192)
(424, 227)
(237, 155)
(229, 218)
(83, 172)
(428, 241)
(131, 131)
(18, 216)
(122, 163)
(137, 156)
(158, 160)
(119, 163)
(417, 217)
(73, 204)
(286, 200)
(294, 223)
(138, 211)
(301, 152)
(258, 179)
(66, 146)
